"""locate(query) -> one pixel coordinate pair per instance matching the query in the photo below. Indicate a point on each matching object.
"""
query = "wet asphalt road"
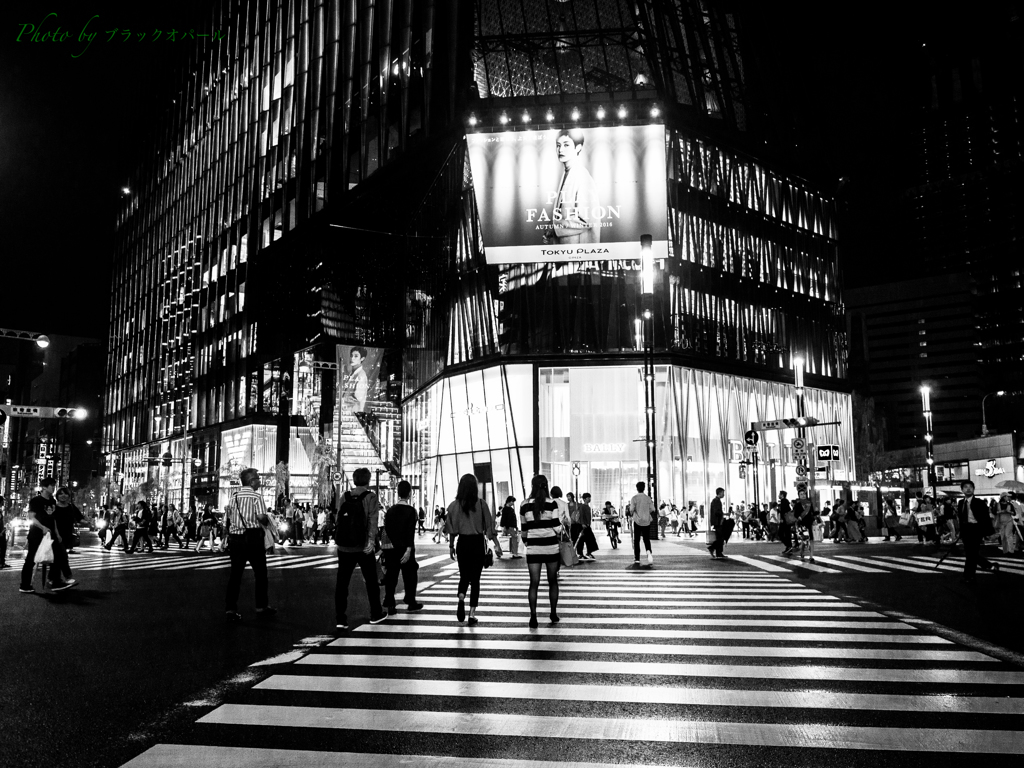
(99, 674)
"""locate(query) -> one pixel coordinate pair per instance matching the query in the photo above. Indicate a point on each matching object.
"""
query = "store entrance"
(613, 481)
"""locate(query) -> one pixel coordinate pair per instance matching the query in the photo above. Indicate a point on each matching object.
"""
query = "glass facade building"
(311, 187)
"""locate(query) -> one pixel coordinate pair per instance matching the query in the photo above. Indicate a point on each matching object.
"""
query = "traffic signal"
(801, 421)
(70, 413)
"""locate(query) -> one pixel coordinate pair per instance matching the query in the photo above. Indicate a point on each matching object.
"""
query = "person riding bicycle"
(610, 518)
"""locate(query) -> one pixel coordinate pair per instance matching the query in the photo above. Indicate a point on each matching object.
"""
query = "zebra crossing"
(324, 558)
(663, 667)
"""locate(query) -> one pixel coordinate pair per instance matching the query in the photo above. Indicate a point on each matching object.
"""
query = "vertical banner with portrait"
(575, 194)
(358, 376)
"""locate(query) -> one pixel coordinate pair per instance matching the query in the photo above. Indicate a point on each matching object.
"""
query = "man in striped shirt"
(246, 544)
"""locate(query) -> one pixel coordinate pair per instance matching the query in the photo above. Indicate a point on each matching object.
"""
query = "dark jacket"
(981, 514)
(715, 517)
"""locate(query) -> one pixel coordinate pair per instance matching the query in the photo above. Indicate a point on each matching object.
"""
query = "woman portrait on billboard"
(572, 214)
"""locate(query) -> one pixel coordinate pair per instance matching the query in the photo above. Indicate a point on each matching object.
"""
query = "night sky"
(70, 130)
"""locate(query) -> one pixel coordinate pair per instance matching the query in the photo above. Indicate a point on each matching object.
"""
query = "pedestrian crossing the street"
(661, 667)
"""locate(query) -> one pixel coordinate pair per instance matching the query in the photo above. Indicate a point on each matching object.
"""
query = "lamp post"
(984, 421)
(41, 340)
(926, 405)
(647, 309)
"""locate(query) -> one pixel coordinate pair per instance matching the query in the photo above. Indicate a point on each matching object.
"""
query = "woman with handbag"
(542, 529)
(470, 521)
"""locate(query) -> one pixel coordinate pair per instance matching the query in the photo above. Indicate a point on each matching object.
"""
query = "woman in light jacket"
(540, 523)
(468, 522)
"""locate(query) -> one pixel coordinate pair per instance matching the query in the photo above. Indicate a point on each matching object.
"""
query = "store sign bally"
(604, 447)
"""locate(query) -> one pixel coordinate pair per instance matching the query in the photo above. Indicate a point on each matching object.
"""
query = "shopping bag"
(712, 536)
(905, 518)
(269, 540)
(727, 528)
(45, 552)
(568, 553)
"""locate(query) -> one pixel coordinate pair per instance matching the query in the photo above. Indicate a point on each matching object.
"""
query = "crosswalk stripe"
(1003, 565)
(180, 755)
(365, 640)
(433, 612)
(851, 566)
(643, 610)
(792, 736)
(758, 564)
(421, 627)
(658, 594)
(304, 564)
(934, 563)
(653, 694)
(900, 566)
(660, 575)
(650, 601)
(802, 564)
(673, 669)
(431, 560)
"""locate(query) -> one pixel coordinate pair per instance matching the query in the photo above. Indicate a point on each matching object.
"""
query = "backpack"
(350, 529)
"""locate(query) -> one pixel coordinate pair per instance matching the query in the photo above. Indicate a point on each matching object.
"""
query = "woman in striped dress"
(541, 529)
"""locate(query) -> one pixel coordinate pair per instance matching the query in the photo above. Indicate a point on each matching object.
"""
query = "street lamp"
(42, 341)
(647, 309)
(926, 405)
(984, 421)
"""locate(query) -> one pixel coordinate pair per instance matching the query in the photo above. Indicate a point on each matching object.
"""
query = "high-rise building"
(911, 333)
(962, 220)
(364, 237)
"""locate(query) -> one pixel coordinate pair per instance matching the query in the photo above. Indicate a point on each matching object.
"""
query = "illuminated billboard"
(580, 194)
(360, 369)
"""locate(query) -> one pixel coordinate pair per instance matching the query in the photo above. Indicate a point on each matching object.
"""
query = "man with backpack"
(355, 533)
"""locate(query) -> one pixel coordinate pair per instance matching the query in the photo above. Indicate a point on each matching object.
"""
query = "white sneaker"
(650, 558)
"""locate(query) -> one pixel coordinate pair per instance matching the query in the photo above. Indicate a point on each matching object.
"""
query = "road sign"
(336, 477)
(828, 453)
(801, 471)
(750, 437)
(799, 445)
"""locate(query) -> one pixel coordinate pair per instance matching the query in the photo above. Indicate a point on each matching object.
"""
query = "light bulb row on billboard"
(526, 117)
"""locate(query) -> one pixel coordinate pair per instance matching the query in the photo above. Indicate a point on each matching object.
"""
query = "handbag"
(269, 540)
(44, 554)
(567, 552)
(712, 536)
(488, 556)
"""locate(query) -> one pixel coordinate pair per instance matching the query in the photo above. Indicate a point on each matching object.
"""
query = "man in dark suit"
(716, 520)
(975, 525)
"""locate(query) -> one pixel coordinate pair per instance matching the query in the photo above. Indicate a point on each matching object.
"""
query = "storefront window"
(470, 422)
